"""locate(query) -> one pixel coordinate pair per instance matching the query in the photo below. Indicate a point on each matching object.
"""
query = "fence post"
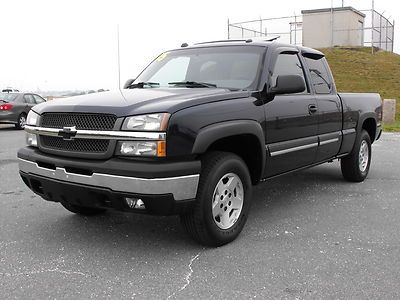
(393, 36)
(380, 31)
(372, 30)
(331, 23)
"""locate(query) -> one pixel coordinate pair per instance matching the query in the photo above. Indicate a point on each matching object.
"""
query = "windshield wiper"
(141, 85)
(4, 101)
(194, 84)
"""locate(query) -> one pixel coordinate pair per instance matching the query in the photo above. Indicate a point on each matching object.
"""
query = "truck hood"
(139, 101)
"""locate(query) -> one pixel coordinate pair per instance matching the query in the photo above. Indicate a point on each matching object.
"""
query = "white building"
(339, 26)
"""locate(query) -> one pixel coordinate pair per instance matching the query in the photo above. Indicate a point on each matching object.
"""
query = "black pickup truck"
(195, 131)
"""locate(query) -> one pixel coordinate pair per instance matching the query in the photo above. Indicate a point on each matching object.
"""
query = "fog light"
(31, 139)
(140, 204)
(135, 203)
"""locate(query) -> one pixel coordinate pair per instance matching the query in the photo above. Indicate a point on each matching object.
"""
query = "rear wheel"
(21, 121)
(82, 210)
(223, 200)
(355, 166)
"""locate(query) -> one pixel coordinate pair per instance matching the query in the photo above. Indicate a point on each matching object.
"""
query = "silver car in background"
(14, 107)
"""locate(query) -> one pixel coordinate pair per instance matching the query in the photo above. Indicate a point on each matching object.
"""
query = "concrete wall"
(389, 111)
(347, 29)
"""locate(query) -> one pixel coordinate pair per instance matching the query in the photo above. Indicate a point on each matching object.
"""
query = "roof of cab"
(255, 42)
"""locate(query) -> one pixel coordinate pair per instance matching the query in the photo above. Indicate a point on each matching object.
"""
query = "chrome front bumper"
(181, 187)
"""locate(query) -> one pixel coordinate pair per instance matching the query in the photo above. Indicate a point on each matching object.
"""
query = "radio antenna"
(119, 60)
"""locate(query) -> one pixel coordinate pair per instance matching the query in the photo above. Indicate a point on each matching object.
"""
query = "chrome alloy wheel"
(363, 156)
(227, 201)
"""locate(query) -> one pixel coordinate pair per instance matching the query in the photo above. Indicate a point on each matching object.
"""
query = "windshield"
(233, 67)
(9, 97)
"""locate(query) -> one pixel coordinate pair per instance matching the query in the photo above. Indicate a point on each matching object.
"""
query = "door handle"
(312, 109)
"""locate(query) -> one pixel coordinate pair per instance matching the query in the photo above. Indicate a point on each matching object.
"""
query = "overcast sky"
(58, 45)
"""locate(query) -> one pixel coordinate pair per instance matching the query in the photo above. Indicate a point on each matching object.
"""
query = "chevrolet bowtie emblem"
(67, 133)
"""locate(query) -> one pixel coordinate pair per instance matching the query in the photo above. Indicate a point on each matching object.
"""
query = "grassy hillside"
(358, 70)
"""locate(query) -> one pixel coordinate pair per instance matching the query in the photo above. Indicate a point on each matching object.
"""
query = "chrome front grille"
(79, 120)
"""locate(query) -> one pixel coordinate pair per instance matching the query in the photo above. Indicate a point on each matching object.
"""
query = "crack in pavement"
(187, 277)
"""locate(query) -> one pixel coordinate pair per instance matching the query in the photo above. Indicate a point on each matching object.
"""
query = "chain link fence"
(376, 30)
(380, 34)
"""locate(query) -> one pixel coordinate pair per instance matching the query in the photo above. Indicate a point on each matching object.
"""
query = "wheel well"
(370, 126)
(247, 147)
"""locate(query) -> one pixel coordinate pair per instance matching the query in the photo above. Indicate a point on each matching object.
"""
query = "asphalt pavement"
(310, 235)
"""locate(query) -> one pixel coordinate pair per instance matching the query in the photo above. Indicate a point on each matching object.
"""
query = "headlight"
(32, 118)
(141, 148)
(153, 122)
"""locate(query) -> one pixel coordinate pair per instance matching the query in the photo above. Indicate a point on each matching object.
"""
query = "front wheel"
(223, 200)
(355, 166)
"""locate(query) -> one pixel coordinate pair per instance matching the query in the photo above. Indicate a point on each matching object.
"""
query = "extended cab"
(195, 131)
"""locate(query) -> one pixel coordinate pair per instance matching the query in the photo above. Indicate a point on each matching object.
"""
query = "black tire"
(82, 210)
(199, 222)
(21, 121)
(350, 164)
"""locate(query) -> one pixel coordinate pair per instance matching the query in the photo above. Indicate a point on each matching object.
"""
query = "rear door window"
(28, 98)
(320, 78)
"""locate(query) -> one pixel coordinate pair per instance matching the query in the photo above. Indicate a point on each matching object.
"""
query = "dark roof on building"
(323, 10)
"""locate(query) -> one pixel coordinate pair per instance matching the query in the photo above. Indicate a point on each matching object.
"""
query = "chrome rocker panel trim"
(298, 148)
(182, 187)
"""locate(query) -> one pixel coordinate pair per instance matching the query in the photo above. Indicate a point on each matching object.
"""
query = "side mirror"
(128, 83)
(289, 84)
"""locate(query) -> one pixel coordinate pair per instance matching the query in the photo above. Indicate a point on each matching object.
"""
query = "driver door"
(291, 121)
